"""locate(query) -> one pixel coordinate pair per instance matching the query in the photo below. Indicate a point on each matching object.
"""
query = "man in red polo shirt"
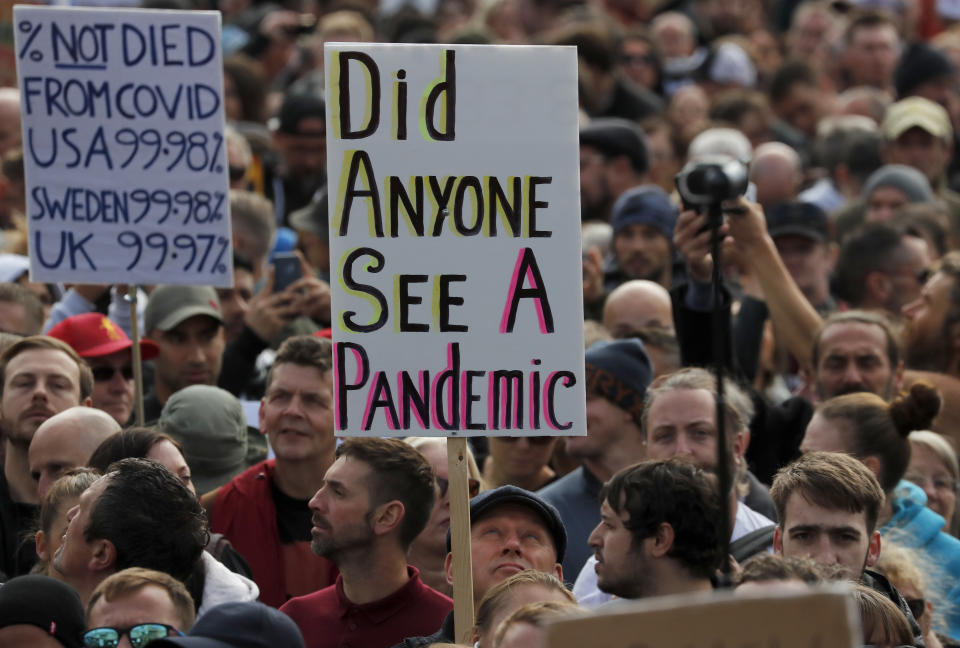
(109, 352)
(376, 498)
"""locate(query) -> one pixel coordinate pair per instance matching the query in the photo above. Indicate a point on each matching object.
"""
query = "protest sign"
(823, 617)
(455, 240)
(124, 155)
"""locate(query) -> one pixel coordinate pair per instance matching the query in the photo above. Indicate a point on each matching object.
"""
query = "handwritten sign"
(455, 236)
(123, 145)
(822, 617)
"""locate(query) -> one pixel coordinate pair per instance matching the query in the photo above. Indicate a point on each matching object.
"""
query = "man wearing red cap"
(108, 351)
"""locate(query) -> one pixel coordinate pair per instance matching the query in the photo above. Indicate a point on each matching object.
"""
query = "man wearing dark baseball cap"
(511, 529)
(40, 612)
(613, 158)
(186, 324)
(801, 232)
(300, 137)
(108, 351)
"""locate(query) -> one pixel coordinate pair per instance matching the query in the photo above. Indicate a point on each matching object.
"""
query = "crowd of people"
(232, 513)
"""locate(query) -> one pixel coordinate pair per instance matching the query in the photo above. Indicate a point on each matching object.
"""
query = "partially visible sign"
(817, 618)
(124, 153)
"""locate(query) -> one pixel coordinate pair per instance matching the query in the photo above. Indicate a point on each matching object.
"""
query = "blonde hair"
(498, 596)
(538, 615)
(473, 470)
(878, 613)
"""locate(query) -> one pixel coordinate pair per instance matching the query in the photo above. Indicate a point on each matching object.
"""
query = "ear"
(87, 402)
(662, 540)
(104, 556)
(898, 375)
(448, 568)
(558, 569)
(873, 463)
(42, 545)
(873, 550)
(388, 517)
(740, 444)
(260, 417)
(474, 635)
(778, 540)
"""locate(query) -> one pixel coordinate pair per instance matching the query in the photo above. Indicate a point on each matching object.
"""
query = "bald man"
(777, 172)
(9, 119)
(635, 305)
(65, 441)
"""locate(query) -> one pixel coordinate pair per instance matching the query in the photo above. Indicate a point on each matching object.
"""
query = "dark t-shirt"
(293, 517)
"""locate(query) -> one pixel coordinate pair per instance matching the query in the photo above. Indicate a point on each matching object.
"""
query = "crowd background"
(840, 300)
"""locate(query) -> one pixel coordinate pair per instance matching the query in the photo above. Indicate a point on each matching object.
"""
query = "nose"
(511, 543)
(851, 374)
(316, 502)
(196, 354)
(683, 447)
(594, 540)
(929, 490)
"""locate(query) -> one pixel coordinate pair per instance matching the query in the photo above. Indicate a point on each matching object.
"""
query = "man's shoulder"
(311, 605)
(253, 478)
(570, 484)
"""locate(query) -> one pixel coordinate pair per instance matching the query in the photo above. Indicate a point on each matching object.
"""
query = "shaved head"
(66, 441)
(636, 305)
(777, 172)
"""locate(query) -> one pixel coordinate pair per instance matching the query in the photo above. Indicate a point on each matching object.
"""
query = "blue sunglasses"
(140, 635)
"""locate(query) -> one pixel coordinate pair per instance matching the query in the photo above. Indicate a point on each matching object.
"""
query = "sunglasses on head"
(103, 374)
(140, 635)
(473, 485)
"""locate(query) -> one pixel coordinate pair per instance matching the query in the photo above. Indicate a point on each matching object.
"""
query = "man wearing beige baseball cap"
(186, 324)
(918, 133)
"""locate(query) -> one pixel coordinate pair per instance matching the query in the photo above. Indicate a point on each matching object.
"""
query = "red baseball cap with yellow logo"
(93, 335)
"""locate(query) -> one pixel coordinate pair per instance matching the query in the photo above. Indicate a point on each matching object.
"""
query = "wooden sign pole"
(460, 538)
(137, 361)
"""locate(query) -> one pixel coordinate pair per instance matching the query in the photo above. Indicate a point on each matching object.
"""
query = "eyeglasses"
(532, 440)
(939, 483)
(140, 635)
(917, 607)
(103, 374)
(473, 485)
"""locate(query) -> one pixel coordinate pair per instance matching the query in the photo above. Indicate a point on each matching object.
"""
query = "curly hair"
(678, 493)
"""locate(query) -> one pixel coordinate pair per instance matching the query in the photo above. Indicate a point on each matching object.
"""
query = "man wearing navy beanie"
(617, 376)
(643, 220)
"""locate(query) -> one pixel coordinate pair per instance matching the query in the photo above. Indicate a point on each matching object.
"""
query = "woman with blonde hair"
(934, 468)
(429, 549)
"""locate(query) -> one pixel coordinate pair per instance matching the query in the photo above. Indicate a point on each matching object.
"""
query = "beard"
(632, 582)
(333, 544)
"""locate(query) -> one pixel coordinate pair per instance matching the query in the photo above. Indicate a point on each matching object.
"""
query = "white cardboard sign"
(124, 153)
(455, 240)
